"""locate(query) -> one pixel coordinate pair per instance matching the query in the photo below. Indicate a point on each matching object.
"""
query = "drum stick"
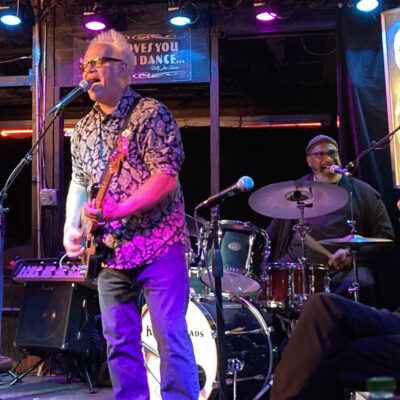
(313, 244)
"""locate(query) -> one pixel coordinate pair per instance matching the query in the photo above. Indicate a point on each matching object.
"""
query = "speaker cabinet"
(57, 316)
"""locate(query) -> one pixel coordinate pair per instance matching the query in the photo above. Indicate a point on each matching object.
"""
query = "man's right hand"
(341, 260)
(72, 242)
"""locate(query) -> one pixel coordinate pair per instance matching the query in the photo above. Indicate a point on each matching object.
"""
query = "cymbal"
(281, 200)
(191, 225)
(354, 240)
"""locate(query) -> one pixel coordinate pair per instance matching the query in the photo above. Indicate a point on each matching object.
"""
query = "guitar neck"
(105, 181)
(113, 166)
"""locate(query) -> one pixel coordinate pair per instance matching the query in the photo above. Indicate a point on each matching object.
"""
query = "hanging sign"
(161, 57)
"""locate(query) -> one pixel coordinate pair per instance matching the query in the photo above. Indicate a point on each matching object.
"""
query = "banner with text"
(159, 57)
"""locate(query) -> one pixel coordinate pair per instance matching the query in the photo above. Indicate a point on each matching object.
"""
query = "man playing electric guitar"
(144, 222)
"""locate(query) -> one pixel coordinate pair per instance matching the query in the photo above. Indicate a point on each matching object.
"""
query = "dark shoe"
(5, 364)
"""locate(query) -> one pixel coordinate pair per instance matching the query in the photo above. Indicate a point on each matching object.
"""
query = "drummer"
(369, 212)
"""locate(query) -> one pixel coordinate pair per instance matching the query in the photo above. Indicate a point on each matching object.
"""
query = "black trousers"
(337, 343)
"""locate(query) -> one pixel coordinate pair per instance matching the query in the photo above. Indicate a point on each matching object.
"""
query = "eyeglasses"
(320, 154)
(96, 62)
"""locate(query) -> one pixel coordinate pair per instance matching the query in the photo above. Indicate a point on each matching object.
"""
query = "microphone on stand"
(244, 184)
(337, 170)
(83, 86)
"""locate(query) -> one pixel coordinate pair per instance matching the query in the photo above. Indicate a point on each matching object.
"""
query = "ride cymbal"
(284, 200)
(353, 240)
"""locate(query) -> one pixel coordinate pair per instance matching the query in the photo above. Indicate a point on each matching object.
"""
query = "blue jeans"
(166, 290)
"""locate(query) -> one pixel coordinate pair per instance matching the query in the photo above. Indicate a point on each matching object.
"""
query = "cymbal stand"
(218, 272)
(355, 286)
(302, 228)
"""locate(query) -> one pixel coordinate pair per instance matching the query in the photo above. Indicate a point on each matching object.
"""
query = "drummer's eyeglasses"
(96, 62)
(320, 154)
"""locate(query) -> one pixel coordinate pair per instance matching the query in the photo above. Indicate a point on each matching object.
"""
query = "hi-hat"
(354, 240)
(283, 200)
(191, 225)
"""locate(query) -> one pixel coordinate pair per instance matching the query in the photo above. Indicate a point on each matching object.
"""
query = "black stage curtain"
(363, 119)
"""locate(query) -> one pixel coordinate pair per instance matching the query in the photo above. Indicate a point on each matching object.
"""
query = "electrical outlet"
(48, 197)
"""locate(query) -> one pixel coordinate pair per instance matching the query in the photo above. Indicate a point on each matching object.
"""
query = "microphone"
(336, 170)
(82, 87)
(244, 184)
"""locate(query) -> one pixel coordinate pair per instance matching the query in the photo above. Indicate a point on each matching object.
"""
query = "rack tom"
(244, 248)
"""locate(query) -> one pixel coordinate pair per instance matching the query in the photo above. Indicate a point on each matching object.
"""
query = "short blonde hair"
(118, 42)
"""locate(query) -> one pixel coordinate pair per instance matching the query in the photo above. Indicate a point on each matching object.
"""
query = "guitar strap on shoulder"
(123, 133)
(128, 117)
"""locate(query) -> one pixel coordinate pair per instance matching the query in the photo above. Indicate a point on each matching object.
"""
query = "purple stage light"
(265, 16)
(94, 21)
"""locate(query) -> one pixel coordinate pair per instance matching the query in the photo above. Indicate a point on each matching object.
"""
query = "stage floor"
(35, 387)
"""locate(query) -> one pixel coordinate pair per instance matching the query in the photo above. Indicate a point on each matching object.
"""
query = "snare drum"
(249, 345)
(244, 248)
(197, 288)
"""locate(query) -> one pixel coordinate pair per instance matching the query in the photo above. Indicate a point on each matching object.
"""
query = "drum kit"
(256, 294)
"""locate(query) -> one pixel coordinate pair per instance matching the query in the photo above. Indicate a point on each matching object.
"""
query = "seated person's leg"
(370, 356)
(326, 326)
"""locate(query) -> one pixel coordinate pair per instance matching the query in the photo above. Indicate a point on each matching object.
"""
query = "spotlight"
(182, 13)
(10, 15)
(262, 13)
(367, 5)
(95, 20)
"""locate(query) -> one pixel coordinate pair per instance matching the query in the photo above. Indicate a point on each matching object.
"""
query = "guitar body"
(95, 249)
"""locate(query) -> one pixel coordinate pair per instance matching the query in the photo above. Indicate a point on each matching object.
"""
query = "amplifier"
(48, 269)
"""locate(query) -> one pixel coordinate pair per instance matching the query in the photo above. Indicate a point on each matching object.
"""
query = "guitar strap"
(123, 131)
(128, 117)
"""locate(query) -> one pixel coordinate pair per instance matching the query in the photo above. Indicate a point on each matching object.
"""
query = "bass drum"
(248, 345)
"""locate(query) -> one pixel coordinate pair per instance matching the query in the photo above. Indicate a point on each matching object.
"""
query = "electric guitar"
(94, 248)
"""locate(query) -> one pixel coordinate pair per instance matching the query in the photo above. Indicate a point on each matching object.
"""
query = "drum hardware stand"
(218, 272)
(264, 389)
(302, 228)
(355, 286)
(234, 366)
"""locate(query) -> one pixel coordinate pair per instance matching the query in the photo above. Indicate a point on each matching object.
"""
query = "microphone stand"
(218, 272)
(375, 146)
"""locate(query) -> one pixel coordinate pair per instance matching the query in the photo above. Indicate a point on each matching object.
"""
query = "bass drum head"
(204, 346)
(248, 340)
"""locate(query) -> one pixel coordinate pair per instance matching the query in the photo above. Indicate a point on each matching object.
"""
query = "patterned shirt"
(155, 146)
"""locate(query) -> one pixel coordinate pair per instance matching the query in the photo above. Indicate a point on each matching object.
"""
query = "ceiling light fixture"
(367, 5)
(10, 15)
(95, 19)
(262, 13)
(182, 13)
